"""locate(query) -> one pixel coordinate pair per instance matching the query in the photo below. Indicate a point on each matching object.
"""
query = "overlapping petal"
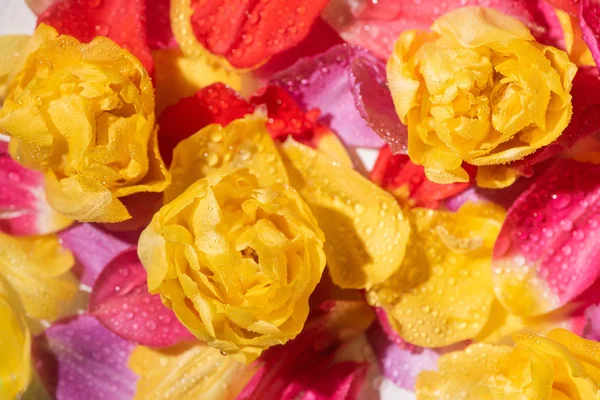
(589, 17)
(11, 48)
(121, 301)
(348, 86)
(81, 359)
(188, 371)
(37, 269)
(376, 25)
(244, 34)
(365, 229)
(546, 253)
(23, 206)
(442, 293)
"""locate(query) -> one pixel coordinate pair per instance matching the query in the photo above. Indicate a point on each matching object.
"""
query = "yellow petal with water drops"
(244, 143)
(187, 371)
(442, 293)
(15, 345)
(37, 268)
(10, 53)
(177, 77)
(331, 146)
(365, 228)
(460, 372)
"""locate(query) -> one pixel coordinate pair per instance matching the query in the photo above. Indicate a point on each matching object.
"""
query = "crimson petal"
(121, 301)
(547, 252)
(80, 359)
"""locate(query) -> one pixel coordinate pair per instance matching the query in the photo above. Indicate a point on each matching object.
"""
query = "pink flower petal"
(547, 252)
(589, 19)
(348, 86)
(375, 25)
(23, 206)
(121, 301)
(94, 248)
(80, 359)
(398, 364)
(592, 329)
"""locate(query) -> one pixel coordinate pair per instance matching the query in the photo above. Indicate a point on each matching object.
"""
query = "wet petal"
(187, 371)
(244, 143)
(592, 328)
(94, 248)
(408, 183)
(442, 293)
(23, 206)
(589, 19)
(348, 86)
(37, 268)
(246, 34)
(11, 47)
(81, 359)
(546, 254)
(365, 229)
(376, 25)
(121, 301)
(122, 21)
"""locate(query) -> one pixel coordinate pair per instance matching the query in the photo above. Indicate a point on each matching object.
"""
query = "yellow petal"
(15, 345)
(177, 77)
(365, 228)
(187, 371)
(575, 46)
(10, 53)
(37, 268)
(442, 293)
(244, 143)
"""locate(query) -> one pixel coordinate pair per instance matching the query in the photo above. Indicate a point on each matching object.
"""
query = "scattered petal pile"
(292, 199)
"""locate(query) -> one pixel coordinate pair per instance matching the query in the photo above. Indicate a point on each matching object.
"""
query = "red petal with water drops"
(123, 21)
(375, 25)
(547, 252)
(81, 359)
(248, 33)
(214, 104)
(94, 248)
(121, 301)
(589, 19)
(348, 86)
(23, 206)
(407, 181)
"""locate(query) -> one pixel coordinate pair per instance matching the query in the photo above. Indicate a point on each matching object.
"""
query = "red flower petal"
(547, 252)
(570, 6)
(23, 206)
(123, 21)
(407, 181)
(348, 85)
(80, 359)
(214, 104)
(248, 33)
(121, 301)
(375, 25)
(589, 19)
(94, 248)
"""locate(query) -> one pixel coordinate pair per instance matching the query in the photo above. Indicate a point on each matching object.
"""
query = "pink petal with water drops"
(589, 19)
(548, 251)
(23, 206)
(375, 25)
(81, 359)
(348, 85)
(400, 364)
(94, 248)
(121, 301)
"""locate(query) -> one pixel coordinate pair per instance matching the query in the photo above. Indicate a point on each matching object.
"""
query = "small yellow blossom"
(84, 115)
(478, 89)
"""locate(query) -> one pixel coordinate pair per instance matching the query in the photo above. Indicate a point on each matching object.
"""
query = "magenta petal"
(375, 25)
(80, 359)
(94, 248)
(348, 86)
(548, 251)
(121, 301)
(342, 381)
(589, 20)
(400, 365)
(23, 206)
(592, 329)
